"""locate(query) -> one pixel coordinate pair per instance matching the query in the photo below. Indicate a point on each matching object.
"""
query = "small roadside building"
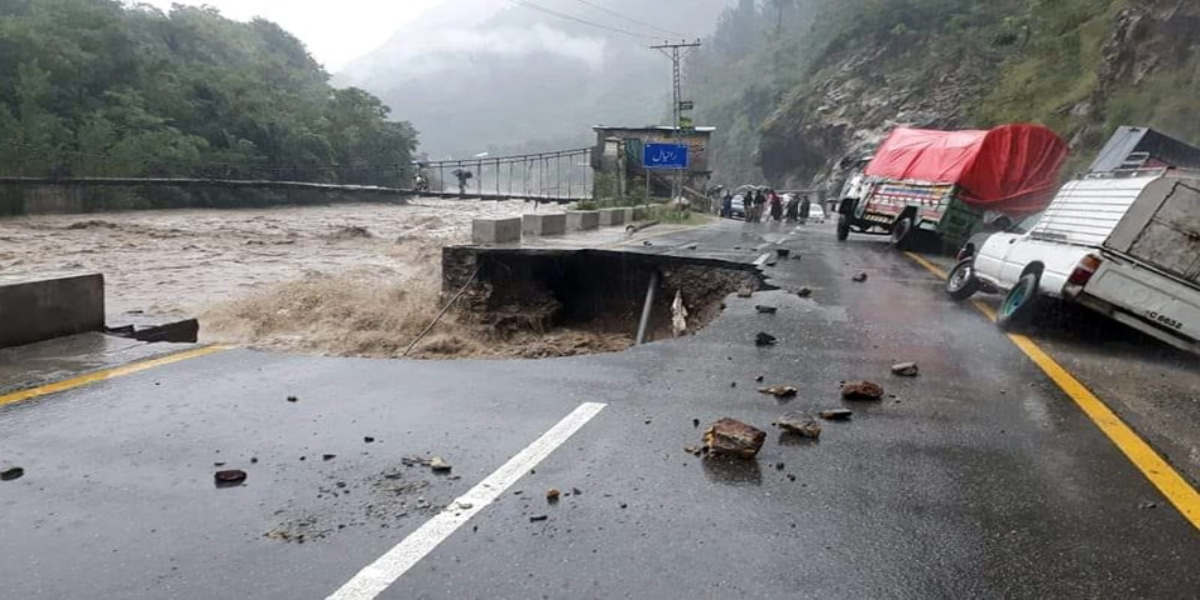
(617, 160)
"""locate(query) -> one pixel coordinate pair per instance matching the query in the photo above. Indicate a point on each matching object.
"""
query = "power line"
(560, 15)
(630, 19)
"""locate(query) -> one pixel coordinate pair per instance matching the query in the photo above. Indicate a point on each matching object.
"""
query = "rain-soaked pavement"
(979, 478)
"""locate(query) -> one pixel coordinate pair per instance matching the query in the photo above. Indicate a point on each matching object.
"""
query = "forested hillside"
(796, 85)
(92, 87)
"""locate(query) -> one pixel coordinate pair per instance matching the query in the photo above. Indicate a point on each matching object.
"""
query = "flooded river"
(343, 279)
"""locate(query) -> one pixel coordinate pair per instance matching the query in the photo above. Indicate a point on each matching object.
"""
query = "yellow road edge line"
(1169, 482)
(106, 374)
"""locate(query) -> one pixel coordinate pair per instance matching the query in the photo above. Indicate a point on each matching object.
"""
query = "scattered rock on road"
(439, 465)
(804, 292)
(860, 278)
(538, 518)
(730, 437)
(783, 252)
(862, 390)
(328, 456)
(765, 339)
(292, 399)
(780, 391)
(745, 292)
(368, 440)
(229, 478)
(766, 310)
(12, 473)
(552, 495)
(837, 414)
(908, 369)
(800, 424)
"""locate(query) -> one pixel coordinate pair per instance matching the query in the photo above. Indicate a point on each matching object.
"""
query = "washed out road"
(980, 478)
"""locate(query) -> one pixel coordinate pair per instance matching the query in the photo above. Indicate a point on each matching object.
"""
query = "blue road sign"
(665, 156)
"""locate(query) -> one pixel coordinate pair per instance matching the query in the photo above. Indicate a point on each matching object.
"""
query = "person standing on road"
(793, 207)
(805, 210)
(776, 204)
(760, 202)
(727, 205)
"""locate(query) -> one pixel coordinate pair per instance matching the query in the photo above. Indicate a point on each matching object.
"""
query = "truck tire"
(1019, 305)
(961, 284)
(903, 233)
(843, 228)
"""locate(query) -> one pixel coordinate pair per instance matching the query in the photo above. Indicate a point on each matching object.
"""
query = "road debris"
(760, 378)
(731, 437)
(804, 292)
(860, 278)
(696, 450)
(647, 243)
(438, 465)
(552, 495)
(12, 473)
(766, 310)
(780, 466)
(783, 252)
(292, 399)
(837, 414)
(538, 518)
(1148, 505)
(328, 456)
(745, 292)
(765, 339)
(465, 505)
(800, 424)
(695, 422)
(780, 391)
(772, 262)
(692, 247)
(229, 478)
(862, 390)
(908, 369)
(368, 440)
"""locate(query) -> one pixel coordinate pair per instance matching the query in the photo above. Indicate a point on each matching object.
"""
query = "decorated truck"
(948, 185)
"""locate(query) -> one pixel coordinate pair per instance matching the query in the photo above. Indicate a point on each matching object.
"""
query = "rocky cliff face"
(1137, 65)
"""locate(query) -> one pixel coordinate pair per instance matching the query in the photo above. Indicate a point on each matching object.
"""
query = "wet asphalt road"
(978, 479)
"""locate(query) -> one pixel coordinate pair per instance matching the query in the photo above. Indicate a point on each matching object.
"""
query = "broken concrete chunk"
(860, 278)
(765, 339)
(908, 369)
(438, 465)
(837, 414)
(730, 437)
(766, 310)
(229, 478)
(780, 391)
(800, 424)
(745, 292)
(11, 473)
(804, 292)
(862, 390)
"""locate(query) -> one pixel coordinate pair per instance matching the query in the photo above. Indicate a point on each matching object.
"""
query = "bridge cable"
(528, 4)
(630, 19)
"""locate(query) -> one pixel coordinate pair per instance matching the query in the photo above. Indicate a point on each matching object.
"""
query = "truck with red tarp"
(949, 184)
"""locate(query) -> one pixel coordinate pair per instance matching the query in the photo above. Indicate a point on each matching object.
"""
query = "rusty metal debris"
(862, 390)
(836, 414)
(780, 391)
(800, 424)
(908, 369)
(730, 437)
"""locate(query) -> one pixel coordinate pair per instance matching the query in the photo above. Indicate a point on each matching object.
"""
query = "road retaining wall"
(35, 310)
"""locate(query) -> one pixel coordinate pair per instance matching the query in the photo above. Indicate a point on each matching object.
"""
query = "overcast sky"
(335, 31)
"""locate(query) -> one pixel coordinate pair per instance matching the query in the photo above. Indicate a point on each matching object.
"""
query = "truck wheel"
(903, 233)
(843, 228)
(1018, 307)
(962, 283)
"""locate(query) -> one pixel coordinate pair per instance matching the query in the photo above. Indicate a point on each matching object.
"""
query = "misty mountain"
(493, 75)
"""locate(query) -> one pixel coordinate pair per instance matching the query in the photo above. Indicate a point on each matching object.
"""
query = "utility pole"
(676, 53)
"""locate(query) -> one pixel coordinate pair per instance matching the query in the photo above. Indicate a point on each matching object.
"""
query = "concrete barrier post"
(612, 217)
(543, 225)
(496, 231)
(36, 310)
(583, 220)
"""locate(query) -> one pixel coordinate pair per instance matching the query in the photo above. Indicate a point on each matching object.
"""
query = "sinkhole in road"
(536, 303)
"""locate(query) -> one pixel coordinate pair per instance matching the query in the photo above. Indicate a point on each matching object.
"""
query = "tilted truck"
(1147, 272)
(948, 185)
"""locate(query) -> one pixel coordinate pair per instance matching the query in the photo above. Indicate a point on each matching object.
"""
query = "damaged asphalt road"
(978, 478)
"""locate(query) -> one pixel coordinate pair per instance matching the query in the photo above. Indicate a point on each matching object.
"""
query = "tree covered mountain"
(96, 87)
(480, 75)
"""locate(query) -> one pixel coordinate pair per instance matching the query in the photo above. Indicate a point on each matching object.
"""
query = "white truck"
(1147, 273)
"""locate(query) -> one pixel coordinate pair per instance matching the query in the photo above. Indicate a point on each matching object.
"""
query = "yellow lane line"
(1160, 473)
(106, 374)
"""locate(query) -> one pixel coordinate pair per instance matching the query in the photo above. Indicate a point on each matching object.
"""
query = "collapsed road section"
(526, 298)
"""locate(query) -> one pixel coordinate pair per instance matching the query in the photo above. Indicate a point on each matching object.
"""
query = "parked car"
(1040, 256)
(738, 207)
